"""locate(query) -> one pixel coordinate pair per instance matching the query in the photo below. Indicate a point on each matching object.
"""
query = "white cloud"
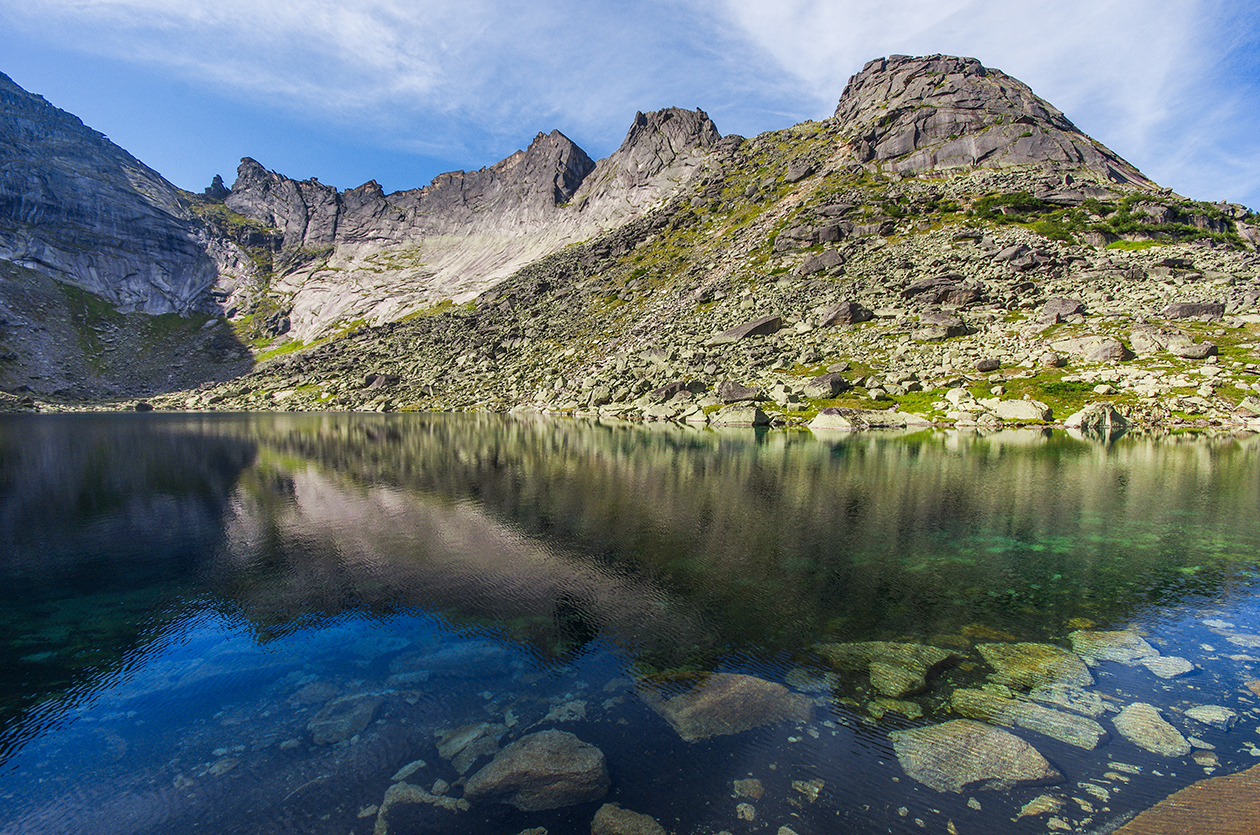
(469, 79)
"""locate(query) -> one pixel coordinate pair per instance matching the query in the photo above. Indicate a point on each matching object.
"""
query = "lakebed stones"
(1126, 647)
(1142, 724)
(342, 718)
(405, 793)
(1069, 697)
(965, 754)
(463, 746)
(545, 770)
(1003, 709)
(1027, 665)
(611, 819)
(896, 669)
(1221, 718)
(726, 703)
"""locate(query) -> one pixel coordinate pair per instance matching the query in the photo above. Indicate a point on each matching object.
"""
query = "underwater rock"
(1168, 666)
(1221, 718)
(343, 718)
(749, 787)
(1126, 647)
(1027, 665)
(1065, 727)
(1142, 725)
(1228, 805)
(400, 793)
(964, 753)
(464, 745)
(544, 770)
(726, 703)
(611, 819)
(896, 669)
(1069, 697)
(1122, 646)
(463, 660)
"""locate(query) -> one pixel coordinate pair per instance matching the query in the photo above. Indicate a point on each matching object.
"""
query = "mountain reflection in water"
(165, 566)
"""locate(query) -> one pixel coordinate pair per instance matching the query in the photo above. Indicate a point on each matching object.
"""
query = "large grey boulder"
(1093, 348)
(1193, 310)
(1097, 418)
(764, 326)
(545, 770)
(846, 313)
(826, 385)
(967, 755)
(1059, 309)
(739, 414)
(730, 391)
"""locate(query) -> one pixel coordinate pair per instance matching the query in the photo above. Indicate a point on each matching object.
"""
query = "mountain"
(365, 255)
(946, 231)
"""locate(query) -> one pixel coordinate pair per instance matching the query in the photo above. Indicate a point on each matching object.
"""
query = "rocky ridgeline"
(947, 248)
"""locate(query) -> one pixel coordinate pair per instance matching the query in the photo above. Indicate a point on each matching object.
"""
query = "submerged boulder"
(544, 770)
(1005, 710)
(343, 718)
(964, 754)
(1027, 665)
(1143, 725)
(611, 819)
(896, 669)
(727, 703)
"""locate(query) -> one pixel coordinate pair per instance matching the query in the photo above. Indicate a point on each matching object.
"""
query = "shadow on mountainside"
(59, 340)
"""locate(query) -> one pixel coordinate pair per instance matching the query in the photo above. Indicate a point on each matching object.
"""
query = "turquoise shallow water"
(182, 596)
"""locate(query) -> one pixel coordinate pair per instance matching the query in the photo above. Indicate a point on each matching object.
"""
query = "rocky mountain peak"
(938, 112)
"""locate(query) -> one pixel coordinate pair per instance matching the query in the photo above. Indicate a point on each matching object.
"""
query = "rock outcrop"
(939, 112)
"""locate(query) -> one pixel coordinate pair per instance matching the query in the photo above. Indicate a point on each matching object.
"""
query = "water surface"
(181, 595)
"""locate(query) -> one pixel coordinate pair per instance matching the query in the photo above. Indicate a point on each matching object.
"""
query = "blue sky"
(401, 90)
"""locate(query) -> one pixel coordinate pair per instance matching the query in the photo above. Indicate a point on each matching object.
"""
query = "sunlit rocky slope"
(947, 246)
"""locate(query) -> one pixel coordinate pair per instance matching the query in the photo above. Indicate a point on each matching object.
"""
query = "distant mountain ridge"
(941, 202)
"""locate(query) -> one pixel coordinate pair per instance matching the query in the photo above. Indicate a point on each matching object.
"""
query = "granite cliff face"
(365, 255)
(83, 211)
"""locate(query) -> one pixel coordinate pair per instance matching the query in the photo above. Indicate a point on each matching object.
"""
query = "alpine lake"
(492, 625)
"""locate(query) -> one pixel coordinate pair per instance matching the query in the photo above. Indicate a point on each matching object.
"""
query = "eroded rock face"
(726, 703)
(963, 754)
(938, 112)
(78, 208)
(544, 770)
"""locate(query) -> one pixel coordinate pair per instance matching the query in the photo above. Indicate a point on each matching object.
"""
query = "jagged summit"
(939, 112)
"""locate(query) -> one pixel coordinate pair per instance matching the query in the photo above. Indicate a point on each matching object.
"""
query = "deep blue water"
(181, 595)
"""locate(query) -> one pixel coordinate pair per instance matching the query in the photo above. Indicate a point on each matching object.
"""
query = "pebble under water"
(354, 623)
